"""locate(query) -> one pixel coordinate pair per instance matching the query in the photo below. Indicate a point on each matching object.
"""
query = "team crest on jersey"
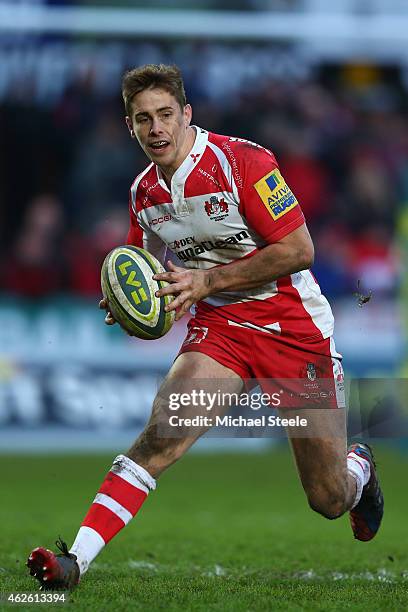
(216, 209)
(275, 194)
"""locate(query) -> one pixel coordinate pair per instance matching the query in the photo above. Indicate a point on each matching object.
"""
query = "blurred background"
(321, 84)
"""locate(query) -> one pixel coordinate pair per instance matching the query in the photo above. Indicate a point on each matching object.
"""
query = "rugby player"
(222, 207)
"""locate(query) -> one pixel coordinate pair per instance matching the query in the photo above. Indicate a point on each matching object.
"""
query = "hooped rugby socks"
(360, 470)
(121, 495)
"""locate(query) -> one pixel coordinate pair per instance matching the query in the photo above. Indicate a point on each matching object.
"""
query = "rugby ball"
(127, 284)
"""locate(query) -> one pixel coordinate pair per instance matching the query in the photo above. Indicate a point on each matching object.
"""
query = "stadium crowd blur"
(66, 164)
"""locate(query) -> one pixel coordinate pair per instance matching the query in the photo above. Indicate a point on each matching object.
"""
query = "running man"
(221, 205)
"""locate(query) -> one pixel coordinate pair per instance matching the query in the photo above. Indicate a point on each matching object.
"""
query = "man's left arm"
(292, 253)
(272, 210)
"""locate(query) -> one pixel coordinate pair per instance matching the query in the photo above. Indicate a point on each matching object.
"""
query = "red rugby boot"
(366, 517)
(55, 572)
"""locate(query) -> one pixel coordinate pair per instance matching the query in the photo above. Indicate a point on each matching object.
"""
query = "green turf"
(222, 532)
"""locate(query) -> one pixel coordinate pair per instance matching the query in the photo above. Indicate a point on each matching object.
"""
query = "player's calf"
(156, 454)
(160, 445)
(330, 498)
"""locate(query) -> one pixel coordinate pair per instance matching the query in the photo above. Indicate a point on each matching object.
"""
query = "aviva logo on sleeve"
(275, 194)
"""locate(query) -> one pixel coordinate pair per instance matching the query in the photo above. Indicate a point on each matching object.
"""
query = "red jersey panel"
(227, 200)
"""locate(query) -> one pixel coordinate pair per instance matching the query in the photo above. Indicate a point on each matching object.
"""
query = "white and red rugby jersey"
(227, 201)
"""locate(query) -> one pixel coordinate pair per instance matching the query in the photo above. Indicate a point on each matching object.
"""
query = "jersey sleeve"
(135, 233)
(144, 238)
(266, 201)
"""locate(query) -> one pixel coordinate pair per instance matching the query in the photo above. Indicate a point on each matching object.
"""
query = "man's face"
(160, 126)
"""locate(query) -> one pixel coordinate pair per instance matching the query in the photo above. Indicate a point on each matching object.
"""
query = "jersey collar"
(192, 159)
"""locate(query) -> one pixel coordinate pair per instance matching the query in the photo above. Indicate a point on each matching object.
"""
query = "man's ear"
(129, 125)
(188, 114)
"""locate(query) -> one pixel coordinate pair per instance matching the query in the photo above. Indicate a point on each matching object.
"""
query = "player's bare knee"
(330, 501)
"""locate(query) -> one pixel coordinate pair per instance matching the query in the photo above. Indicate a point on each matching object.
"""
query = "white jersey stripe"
(314, 302)
(226, 167)
(273, 328)
(108, 502)
(333, 350)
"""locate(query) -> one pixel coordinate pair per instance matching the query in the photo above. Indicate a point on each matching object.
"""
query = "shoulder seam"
(230, 177)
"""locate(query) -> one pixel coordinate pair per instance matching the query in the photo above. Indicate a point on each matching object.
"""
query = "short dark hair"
(153, 75)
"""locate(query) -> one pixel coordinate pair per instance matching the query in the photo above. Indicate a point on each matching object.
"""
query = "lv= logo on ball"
(139, 295)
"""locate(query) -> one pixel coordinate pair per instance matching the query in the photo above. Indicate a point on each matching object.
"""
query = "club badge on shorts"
(195, 335)
(311, 371)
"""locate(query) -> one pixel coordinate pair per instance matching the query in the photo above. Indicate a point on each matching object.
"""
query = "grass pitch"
(222, 532)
